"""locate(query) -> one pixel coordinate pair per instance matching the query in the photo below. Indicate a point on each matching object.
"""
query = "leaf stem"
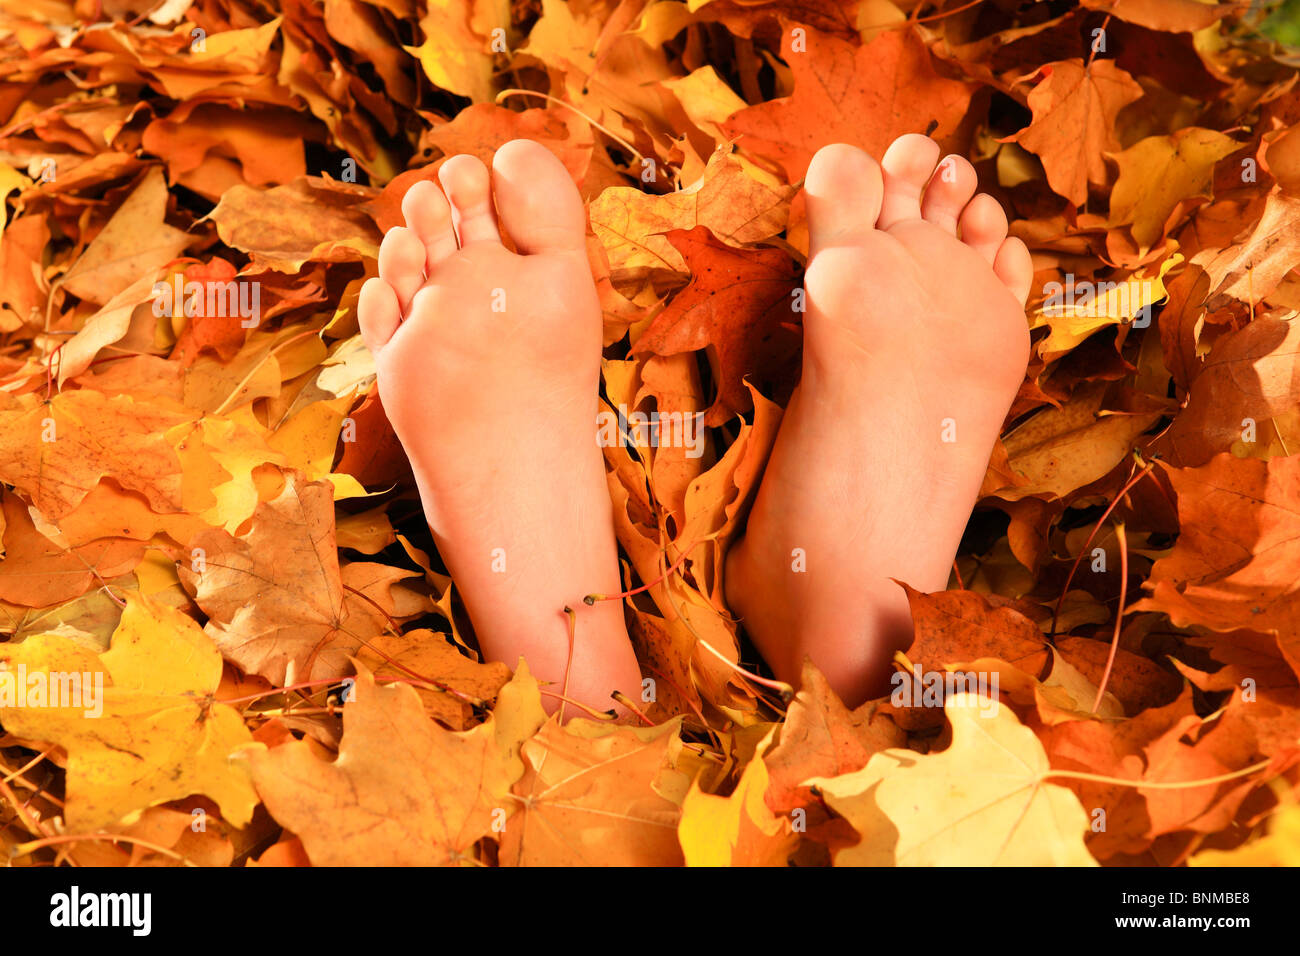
(1119, 614)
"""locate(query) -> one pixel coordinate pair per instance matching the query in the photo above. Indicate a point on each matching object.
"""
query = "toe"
(948, 192)
(843, 191)
(401, 264)
(983, 226)
(907, 166)
(465, 180)
(1015, 267)
(540, 206)
(428, 215)
(378, 313)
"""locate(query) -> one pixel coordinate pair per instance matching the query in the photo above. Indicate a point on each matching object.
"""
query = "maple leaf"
(210, 147)
(403, 791)
(737, 830)
(1115, 752)
(221, 333)
(736, 304)
(135, 240)
(277, 147)
(597, 795)
(275, 597)
(286, 226)
(1238, 545)
(1059, 450)
(1159, 172)
(954, 627)
(1172, 15)
(455, 53)
(480, 130)
(1076, 314)
(109, 326)
(57, 451)
(149, 732)
(1252, 269)
(983, 801)
(1280, 846)
(422, 654)
(822, 738)
(1249, 376)
(38, 572)
(1074, 107)
(732, 199)
(865, 95)
(164, 836)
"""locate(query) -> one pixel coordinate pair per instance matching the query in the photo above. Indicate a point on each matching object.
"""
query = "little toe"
(467, 184)
(983, 226)
(907, 166)
(401, 264)
(539, 204)
(843, 190)
(428, 215)
(378, 313)
(1015, 267)
(948, 192)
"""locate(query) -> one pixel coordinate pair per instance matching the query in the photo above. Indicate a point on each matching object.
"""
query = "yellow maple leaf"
(1159, 172)
(138, 721)
(738, 830)
(737, 201)
(983, 801)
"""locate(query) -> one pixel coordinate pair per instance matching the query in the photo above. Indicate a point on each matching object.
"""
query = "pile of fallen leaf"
(213, 517)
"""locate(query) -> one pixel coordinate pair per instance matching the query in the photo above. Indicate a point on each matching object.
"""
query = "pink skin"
(489, 371)
(915, 316)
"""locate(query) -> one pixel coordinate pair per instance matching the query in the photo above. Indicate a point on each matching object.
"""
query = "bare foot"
(915, 343)
(489, 365)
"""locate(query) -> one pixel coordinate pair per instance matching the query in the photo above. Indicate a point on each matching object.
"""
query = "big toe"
(537, 200)
(843, 191)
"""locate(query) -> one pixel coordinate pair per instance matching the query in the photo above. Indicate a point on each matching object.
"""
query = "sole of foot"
(915, 343)
(489, 363)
